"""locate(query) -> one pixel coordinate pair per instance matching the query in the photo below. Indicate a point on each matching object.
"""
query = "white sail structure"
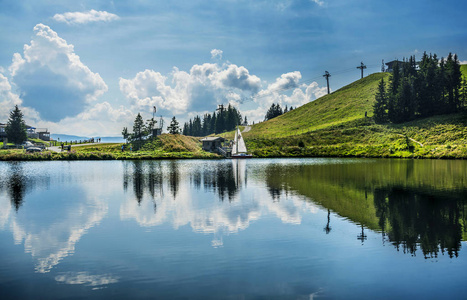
(239, 147)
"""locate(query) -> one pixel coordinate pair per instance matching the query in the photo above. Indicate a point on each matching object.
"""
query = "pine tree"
(16, 127)
(185, 129)
(379, 108)
(126, 134)
(274, 111)
(173, 127)
(138, 128)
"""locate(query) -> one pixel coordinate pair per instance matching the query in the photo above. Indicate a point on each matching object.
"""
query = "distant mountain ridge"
(67, 137)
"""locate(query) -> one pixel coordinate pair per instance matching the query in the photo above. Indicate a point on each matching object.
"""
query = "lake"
(237, 229)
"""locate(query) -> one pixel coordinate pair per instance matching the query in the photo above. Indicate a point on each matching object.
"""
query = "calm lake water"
(206, 229)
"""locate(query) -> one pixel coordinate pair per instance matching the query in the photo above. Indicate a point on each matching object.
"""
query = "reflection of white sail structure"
(239, 148)
(239, 172)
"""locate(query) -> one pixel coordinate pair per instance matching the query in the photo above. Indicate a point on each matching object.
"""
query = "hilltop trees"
(218, 122)
(435, 87)
(141, 130)
(173, 128)
(274, 111)
(16, 127)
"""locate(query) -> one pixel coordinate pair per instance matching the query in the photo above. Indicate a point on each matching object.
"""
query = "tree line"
(434, 87)
(217, 122)
(145, 130)
(276, 110)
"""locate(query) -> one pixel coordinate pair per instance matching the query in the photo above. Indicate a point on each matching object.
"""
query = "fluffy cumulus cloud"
(51, 78)
(216, 53)
(209, 84)
(8, 99)
(85, 17)
(200, 89)
(286, 90)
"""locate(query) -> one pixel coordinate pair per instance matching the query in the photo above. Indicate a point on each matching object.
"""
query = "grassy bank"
(164, 147)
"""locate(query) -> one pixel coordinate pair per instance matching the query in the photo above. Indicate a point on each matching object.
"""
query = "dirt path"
(415, 141)
(246, 129)
(58, 149)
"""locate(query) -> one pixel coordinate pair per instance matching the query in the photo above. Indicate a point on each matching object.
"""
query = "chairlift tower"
(327, 75)
(361, 67)
(221, 108)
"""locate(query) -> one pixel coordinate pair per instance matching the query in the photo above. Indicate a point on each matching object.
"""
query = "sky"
(88, 68)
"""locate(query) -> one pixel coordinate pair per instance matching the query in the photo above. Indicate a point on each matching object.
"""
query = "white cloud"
(216, 54)
(8, 99)
(276, 93)
(320, 3)
(206, 85)
(199, 90)
(85, 17)
(286, 81)
(52, 79)
(86, 279)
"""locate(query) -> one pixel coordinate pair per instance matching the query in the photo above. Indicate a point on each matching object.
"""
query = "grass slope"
(335, 125)
(464, 70)
(346, 104)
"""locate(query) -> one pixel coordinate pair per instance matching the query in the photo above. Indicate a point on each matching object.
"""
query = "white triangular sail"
(239, 144)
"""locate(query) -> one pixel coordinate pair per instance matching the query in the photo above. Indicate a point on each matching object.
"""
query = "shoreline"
(311, 152)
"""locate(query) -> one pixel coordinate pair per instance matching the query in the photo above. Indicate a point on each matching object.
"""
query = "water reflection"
(415, 205)
(192, 187)
(84, 278)
(54, 219)
(16, 186)
(414, 219)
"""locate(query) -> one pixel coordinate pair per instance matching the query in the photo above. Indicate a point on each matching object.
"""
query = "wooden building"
(211, 143)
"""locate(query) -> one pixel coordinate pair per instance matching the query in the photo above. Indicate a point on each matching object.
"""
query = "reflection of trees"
(276, 181)
(138, 180)
(16, 183)
(419, 220)
(223, 179)
(16, 186)
(143, 176)
(328, 228)
(174, 178)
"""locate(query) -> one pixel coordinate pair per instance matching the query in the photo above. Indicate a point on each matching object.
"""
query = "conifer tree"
(379, 108)
(173, 128)
(16, 127)
(138, 128)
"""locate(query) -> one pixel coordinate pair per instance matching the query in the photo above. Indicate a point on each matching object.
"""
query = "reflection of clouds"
(50, 243)
(86, 279)
(5, 210)
(198, 205)
(62, 203)
(290, 209)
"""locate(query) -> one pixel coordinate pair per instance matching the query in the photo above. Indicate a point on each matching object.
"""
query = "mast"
(236, 144)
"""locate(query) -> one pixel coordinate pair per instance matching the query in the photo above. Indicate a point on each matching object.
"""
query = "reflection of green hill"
(424, 197)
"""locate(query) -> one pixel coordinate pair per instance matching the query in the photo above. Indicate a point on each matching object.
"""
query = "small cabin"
(211, 143)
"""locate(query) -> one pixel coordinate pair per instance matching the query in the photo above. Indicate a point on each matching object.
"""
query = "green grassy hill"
(335, 125)
(464, 70)
(346, 104)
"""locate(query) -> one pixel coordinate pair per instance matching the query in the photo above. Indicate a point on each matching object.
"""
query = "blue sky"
(88, 67)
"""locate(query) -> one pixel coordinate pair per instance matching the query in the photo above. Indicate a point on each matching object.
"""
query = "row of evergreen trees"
(434, 87)
(276, 110)
(218, 122)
